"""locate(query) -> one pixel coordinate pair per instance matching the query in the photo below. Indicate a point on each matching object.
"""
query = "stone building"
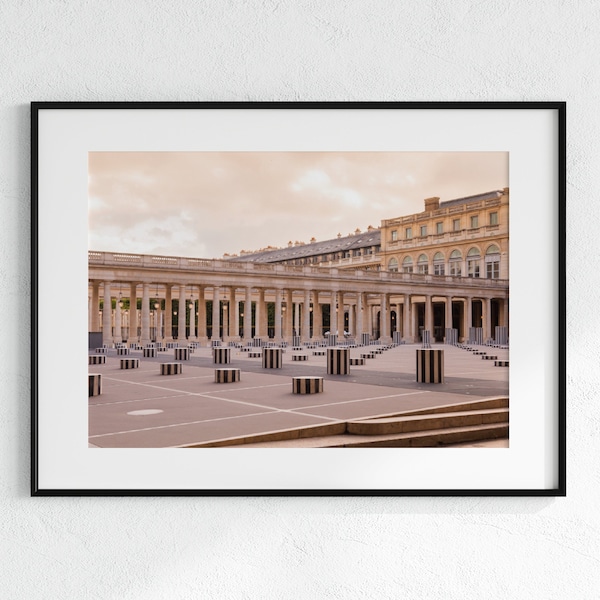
(444, 271)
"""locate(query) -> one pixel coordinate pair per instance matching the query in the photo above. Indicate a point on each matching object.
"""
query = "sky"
(206, 204)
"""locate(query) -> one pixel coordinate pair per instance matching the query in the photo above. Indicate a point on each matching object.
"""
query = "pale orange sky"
(204, 204)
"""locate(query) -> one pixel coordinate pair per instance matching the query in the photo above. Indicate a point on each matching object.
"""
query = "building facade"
(387, 283)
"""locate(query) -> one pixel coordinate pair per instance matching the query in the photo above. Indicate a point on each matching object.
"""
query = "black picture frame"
(72, 118)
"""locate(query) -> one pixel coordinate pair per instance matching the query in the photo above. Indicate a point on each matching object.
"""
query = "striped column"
(426, 339)
(430, 366)
(122, 351)
(94, 384)
(149, 352)
(338, 361)
(227, 375)
(130, 363)
(221, 356)
(171, 368)
(181, 353)
(451, 337)
(299, 357)
(501, 335)
(307, 385)
(98, 359)
(272, 358)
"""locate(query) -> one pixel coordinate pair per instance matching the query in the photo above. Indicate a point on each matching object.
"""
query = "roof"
(358, 240)
(494, 194)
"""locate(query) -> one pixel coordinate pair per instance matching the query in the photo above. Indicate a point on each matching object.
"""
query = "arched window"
(492, 262)
(393, 265)
(438, 264)
(473, 262)
(423, 264)
(455, 263)
(407, 265)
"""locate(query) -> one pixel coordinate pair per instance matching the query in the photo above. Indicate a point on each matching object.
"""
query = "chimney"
(432, 204)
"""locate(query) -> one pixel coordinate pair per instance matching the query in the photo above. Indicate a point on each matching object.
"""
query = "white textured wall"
(147, 548)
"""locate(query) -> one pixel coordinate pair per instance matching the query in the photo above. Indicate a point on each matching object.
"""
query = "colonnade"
(279, 313)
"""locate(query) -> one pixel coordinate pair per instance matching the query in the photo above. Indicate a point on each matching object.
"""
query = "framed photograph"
(298, 298)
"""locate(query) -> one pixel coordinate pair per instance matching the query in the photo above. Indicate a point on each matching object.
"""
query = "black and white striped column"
(149, 352)
(426, 338)
(130, 363)
(181, 353)
(272, 358)
(95, 384)
(476, 335)
(122, 351)
(227, 375)
(221, 356)
(338, 361)
(171, 368)
(332, 339)
(365, 339)
(430, 366)
(307, 385)
(501, 363)
(357, 361)
(451, 337)
(98, 359)
(501, 335)
(299, 357)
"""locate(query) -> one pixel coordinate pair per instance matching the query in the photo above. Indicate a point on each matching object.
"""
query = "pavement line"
(99, 435)
(137, 400)
(364, 399)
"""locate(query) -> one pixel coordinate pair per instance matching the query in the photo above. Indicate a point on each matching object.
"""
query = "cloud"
(209, 203)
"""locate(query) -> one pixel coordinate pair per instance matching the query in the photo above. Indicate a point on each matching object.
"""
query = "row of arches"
(454, 265)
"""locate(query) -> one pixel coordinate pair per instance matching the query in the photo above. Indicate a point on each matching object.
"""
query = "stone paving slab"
(192, 408)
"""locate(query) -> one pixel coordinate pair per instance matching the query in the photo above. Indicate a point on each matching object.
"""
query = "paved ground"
(141, 408)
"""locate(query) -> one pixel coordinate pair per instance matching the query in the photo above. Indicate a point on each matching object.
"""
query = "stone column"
(359, 317)
(248, 315)
(448, 324)
(340, 316)
(133, 314)
(306, 317)
(202, 314)
(317, 317)
(332, 312)
(351, 320)
(469, 319)
(297, 327)
(192, 310)
(406, 330)
(383, 318)
(234, 316)
(288, 326)
(118, 335)
(168, 314)
(487, 319)
(95, 324)
(429, 315)
(145, 337)
(107, 337)
(182, 315)
(369, 317)
(216, 314)
(261, 325)
(278, 316)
